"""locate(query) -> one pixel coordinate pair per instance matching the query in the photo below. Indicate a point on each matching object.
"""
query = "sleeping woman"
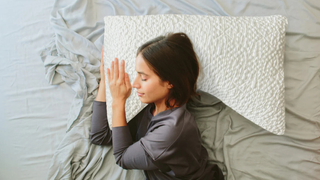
(163, 139)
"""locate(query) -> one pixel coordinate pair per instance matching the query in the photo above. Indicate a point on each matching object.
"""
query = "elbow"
(100, 139)
(95, 140)
(122, 166)
(119, 161)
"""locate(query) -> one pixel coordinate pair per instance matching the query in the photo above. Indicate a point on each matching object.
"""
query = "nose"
(135, 83)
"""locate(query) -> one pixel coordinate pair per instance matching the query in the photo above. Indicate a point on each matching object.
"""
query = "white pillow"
(241, 59)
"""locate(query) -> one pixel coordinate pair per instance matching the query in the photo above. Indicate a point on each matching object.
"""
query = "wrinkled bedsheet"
(48, 125)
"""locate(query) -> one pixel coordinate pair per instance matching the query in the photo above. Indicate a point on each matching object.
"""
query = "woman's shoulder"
(181, 117)
(168, 126)
(170, 133)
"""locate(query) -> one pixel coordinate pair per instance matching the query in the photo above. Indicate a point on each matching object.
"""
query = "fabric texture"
(241, 59)
(35, 114)
(73, 57)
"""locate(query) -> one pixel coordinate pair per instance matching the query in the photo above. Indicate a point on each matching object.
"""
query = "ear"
(167, 84)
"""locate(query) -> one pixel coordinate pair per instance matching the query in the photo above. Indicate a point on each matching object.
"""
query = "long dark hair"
(173, 59)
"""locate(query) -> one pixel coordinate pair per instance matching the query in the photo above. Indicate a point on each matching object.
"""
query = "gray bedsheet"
(242, 149)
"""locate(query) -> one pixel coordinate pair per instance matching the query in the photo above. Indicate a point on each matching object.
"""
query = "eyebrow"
(143, 73)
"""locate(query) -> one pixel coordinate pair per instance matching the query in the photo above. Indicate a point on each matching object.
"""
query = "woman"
(163, 139)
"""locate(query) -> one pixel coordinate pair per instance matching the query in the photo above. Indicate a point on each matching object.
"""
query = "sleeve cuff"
(99, 102)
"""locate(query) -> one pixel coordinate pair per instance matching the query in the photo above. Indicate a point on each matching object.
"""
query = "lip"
(140, 94)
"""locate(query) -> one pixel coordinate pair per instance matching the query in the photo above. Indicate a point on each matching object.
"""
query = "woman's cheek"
(147, 85)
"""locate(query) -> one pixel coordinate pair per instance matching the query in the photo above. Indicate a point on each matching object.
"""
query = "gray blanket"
(241, 149)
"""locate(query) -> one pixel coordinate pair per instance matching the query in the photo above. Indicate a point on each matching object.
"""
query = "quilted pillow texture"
(241, 59)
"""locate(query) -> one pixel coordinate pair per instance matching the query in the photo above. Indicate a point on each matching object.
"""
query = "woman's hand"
(102, 76)
(119, 82)
(101, 96)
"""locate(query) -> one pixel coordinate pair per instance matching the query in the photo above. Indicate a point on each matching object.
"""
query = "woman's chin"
(143, 101)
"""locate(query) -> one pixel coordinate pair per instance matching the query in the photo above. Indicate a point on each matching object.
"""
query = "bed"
(48, 83)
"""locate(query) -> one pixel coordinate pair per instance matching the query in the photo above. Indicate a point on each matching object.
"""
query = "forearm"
(101, 96)
(100, 132)
(129, 155)
(118, 114)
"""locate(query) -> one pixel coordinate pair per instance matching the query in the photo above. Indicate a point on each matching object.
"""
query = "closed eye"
(142, 74)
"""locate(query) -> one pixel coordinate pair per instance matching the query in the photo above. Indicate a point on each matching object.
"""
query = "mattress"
(48, 47)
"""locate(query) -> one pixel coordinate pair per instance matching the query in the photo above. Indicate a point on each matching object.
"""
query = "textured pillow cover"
(241, 59)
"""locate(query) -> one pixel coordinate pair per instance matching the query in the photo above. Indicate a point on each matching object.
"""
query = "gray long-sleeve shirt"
(165, 146)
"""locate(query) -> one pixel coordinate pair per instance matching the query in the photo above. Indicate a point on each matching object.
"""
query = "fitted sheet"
(43, 112)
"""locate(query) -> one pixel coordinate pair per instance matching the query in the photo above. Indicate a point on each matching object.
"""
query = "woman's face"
(149, 86)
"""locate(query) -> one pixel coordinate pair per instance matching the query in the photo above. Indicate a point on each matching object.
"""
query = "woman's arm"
(100, 132)
(101, 96)
(120, 88)
(129, 155)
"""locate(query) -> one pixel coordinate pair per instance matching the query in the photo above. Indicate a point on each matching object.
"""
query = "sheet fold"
(73, 56)
(242, 149)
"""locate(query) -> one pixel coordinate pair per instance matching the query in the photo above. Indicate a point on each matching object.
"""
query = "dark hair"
(173, 59)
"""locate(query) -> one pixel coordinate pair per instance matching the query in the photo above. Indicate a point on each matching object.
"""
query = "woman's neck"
(161, 106)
